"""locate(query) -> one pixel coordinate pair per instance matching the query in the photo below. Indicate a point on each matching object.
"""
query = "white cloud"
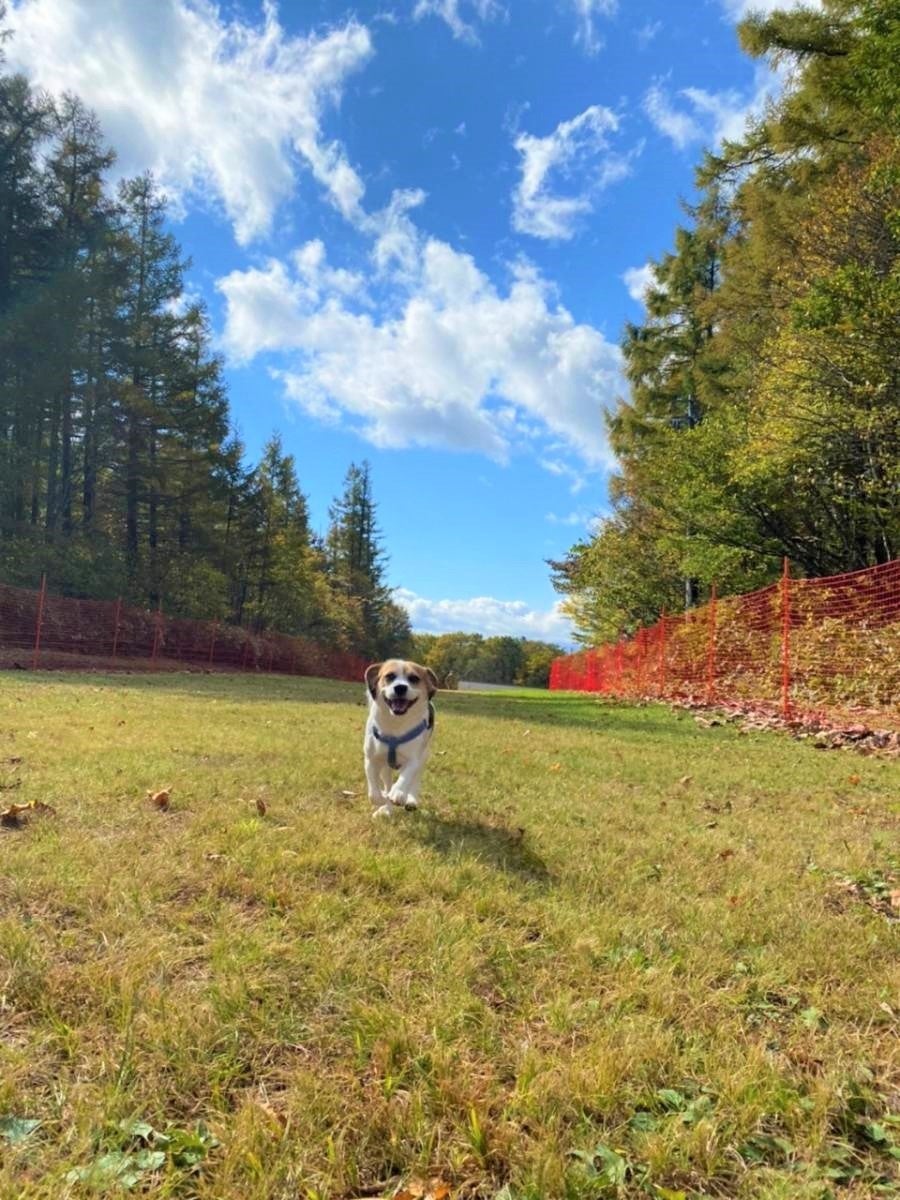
(586, 11)
(738, 9)
(577, 151)
(449, 12)
(211, 106)
(461, 16)
(454, 362)
(648, 32)
(637, 280)
(710, 117)
(485, 614)
(580, 519)
(679, 127)
(578, 481)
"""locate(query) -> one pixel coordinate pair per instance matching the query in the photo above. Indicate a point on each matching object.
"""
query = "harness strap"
(393, 742)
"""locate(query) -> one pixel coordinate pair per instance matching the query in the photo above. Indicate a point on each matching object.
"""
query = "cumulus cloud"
(485, 614)
(453, 361)
(211, 106)
(709, 117)
(637, 280)
(576, 153)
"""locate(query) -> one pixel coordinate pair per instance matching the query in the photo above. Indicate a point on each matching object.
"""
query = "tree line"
(456, 656)
(120, 471)
(763, 411)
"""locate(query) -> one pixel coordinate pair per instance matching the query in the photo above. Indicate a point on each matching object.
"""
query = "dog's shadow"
(495, 845)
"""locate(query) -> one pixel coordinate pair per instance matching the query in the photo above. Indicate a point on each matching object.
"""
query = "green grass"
(575, 973)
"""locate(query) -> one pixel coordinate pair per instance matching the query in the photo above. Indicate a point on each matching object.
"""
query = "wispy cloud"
(587, 12)
(576, 155)
(451, 13)
(697, 115)
(736, 10)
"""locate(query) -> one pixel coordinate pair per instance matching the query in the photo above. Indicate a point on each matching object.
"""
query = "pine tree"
(356, 563)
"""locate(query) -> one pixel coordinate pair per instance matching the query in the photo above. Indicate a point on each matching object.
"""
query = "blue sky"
(419, 227)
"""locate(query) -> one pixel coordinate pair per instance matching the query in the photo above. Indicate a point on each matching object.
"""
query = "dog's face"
(400, 685)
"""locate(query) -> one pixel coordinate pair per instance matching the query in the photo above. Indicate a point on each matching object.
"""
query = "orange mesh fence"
(59, 631)
(829, 645)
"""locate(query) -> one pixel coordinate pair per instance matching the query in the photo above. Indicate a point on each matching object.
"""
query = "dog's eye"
(413, 678)
(390, 677)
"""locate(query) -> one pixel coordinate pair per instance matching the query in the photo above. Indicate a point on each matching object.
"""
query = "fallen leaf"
(12, 816)
(349, 795)
(261, 806)
(556, 766)
(685, 780)
(894, 899)
(726, 854)
(160, 799)
(854, 779)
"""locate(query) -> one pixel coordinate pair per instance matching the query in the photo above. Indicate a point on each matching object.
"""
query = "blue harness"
(393, 742)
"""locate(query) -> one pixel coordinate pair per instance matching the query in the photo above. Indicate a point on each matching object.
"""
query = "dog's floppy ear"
(372, 677)
(432, 681)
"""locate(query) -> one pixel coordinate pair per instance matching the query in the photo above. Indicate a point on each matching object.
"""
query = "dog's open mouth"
(399, 705)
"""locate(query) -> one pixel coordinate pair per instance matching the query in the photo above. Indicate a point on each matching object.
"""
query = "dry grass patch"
(606, 959)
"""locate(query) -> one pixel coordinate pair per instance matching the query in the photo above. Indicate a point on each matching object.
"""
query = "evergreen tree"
(356, 564)
(764, 403)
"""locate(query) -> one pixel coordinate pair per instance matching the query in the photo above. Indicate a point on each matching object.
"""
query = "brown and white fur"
(399, 695)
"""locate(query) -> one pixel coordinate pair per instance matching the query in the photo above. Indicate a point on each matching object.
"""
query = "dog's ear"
(372, 677)
(432, 681)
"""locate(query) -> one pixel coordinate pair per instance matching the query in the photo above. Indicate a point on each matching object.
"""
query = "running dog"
(398, 732)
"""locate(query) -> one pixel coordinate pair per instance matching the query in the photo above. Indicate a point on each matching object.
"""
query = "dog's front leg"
(406, 789)
(374, 778)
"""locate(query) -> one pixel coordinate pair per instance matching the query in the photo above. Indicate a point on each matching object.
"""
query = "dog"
(398, 732)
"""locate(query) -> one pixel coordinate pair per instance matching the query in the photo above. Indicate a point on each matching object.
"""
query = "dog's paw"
(384, 811)
(410, 804)
(397, 796)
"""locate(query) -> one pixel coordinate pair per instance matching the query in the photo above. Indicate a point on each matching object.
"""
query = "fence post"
(40, 621)
(786, 639)
(662, 653)
(711, 649)
(157, 623)
(246, 651)
(116, 620)
(212, 639)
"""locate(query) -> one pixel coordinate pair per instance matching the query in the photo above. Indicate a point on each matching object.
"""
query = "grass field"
(615, 954)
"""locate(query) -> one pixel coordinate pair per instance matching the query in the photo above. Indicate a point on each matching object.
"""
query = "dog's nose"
(400, 689)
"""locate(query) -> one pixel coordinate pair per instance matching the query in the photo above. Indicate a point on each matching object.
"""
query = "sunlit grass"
(610, 956)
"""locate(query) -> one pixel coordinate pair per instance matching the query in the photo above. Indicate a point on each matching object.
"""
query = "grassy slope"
(472, 991)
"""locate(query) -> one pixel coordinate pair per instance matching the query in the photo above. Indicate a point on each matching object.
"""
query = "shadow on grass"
(503, 849)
